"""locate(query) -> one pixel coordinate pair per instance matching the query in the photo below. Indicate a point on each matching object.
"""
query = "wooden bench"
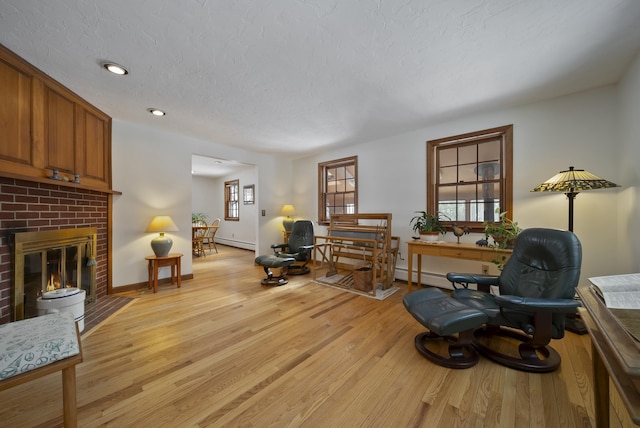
(357, 243)
(35, 347)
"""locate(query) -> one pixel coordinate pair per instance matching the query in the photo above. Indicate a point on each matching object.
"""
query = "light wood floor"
(225, 351)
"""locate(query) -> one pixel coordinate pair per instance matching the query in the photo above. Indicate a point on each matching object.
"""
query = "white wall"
(241, 233)
(596, 130)
(629, 166)
(207, 197)
(152, 169)
(579, 130)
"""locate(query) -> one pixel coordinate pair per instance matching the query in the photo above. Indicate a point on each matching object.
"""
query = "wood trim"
(46, 180)
(506, 188)
(145, 284)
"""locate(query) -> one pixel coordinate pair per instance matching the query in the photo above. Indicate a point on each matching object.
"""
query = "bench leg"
(69, 397)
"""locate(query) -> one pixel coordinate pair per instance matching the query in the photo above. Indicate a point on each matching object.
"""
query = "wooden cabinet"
(16, 108)
(44, 126)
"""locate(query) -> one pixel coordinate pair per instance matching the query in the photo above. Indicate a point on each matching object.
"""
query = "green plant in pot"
(427, 225)
(504, 233)
(199, 218)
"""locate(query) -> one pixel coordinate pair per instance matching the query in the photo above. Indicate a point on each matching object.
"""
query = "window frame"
(323, 167)
(505, 133)
(229, 201)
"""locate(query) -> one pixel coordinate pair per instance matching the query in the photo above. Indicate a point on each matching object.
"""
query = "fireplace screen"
(50, 260)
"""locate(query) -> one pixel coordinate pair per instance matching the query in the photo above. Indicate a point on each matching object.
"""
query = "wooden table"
(452, 250)
(615, 355)
(156, 262)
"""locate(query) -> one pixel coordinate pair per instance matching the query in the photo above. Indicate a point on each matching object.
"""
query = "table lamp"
(161, 244)
(287, 223)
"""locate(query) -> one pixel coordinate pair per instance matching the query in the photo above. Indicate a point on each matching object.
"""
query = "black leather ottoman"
(445, 317)
(271, 261)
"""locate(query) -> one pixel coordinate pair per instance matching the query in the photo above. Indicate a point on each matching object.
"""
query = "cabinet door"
(94, 148)
(15, 115)
(59, 134)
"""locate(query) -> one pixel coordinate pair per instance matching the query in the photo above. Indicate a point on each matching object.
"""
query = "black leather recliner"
(291, 258)
(536, 292)
(298, 247)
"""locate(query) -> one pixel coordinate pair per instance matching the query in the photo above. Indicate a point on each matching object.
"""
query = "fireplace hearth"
(51, 260)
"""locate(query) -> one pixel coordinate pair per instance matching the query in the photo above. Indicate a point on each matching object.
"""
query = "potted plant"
(504, 232)
(199, 218)
(427, 225)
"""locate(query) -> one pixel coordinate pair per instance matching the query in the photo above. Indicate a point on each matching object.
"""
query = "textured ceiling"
(294, 77)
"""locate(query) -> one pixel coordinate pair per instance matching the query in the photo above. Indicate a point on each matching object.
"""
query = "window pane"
(488, 171)
(489, 151)
(449, 174)
(448, 157)
(350, 171)
(467, 173)
(467, 192)
(447, 193)
(467, 154)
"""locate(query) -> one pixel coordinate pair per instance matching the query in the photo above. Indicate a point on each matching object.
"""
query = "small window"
(337, 188)
(469, 176)
(232, 200)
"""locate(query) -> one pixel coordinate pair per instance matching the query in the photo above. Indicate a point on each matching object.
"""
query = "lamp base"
(287, 223)
(161, 245)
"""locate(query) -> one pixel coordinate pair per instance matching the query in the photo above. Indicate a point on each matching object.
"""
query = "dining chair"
(209, 237)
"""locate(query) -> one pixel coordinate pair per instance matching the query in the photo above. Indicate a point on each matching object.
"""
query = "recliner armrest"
(537, 304)
(470, 278)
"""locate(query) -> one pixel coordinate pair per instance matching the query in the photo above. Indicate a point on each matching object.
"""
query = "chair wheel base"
(274, 282)
(295, 270)
(530, 357)
(461, 356)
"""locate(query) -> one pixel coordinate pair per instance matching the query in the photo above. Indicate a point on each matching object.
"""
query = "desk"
(156, 262)
(615, 356)
(449, 249)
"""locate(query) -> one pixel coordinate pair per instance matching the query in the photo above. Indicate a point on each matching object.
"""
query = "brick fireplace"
(27, 206)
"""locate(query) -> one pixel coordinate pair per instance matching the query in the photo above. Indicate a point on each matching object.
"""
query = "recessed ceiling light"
(115, 68)
(156, 112)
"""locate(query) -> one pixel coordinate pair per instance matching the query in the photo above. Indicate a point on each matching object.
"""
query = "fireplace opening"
(52, 260)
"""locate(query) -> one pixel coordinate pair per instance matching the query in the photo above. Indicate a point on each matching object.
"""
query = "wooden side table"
(156, 263)
(452, 250)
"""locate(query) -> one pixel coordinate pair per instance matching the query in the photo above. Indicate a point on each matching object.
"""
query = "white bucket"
(63, 300)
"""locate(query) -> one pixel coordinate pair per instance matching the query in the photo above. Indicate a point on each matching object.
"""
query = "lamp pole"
(571, 195)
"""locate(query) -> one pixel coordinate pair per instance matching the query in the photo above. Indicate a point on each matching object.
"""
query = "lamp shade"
(573, 180)
(287, 223)
(162, 244)
(288, 210)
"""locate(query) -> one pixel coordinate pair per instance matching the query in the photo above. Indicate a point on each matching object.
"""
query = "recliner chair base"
(530, 356)
(270, 280)
(298, 270)
(445, 318)
(462, 354)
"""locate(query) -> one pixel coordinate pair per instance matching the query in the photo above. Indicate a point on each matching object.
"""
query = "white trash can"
(63, 300)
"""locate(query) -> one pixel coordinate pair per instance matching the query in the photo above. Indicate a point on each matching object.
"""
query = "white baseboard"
(433, 279)
(238, 244)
